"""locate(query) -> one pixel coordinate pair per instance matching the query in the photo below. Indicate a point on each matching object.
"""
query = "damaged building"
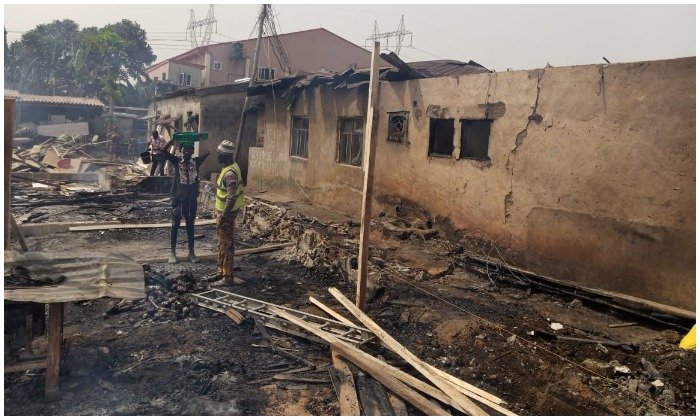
(582, 173)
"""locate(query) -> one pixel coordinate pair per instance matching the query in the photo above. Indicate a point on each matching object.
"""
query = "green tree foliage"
(59, 58)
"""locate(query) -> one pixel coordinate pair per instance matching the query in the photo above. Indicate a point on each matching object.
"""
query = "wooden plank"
(9, 147)
(621, 298)
(215, 255)
(41, 229)
(89, 275)
(447, 387)
(292, 378)
(24, 366)
(397, 405)
(92, 177)
(235, 315)
(369, 364)
(54, 350)
(87, 228)
(331, 312)
(347, 394)
(382, 398)
(365, 392)
(370, 144)
(20, 237)
(55, 130)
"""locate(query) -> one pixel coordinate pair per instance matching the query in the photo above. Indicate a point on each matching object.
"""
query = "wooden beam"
(447, 387)
(347, 394)
(41, 229)
(109, 226)
(20, 237)
(331, 312)
(369, 364)
(54, 350)
(234, 315)
(23, 366)
(215, 255)
(91, 177)
(370, 144)
(9, 146)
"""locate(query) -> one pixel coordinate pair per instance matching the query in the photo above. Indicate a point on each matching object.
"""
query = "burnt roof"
(443, 68)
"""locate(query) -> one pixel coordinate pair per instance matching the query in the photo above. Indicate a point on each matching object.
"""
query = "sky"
(499, 37)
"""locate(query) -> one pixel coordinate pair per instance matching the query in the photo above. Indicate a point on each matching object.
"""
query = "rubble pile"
(167, 297)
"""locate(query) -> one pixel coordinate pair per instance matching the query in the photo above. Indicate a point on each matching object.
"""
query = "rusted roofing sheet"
(58, 100)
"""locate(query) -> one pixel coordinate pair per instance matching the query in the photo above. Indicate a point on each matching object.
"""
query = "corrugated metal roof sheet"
(9, 93)
(441, 68)
(59, 100)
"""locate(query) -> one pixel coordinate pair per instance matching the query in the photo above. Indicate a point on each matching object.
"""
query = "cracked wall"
(582, 159)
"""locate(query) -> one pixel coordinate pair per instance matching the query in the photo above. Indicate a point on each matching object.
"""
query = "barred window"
(350, 141)
(398, 127)
(300, 137)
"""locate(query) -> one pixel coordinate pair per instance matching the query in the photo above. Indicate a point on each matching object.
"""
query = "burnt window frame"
(463, 123)
(431, 138)
(404, 135)
(292, 130)
(270, 73)
(361, 120)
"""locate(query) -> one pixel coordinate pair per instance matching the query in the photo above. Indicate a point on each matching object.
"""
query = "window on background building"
(164, 77)
(155, 79)
(475, 139)
(300, 137)
(398, 127)
(266, 73)
(350, 137)
(181, 79)
(217, 65)
(188, 79)
(441, 141)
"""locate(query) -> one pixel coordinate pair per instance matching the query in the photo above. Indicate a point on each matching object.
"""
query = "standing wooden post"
(53, 357)
(370, 144)
(9, 147)
(253, 76)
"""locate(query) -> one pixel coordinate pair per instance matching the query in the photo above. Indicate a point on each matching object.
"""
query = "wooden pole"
(9, 140)
(54, 350)
(370, 144)
(253, 76)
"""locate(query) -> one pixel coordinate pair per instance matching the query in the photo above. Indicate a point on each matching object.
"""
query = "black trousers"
(157, 162)
(187, 208)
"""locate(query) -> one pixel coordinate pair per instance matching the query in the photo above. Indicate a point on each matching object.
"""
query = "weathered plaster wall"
(318, 178)
(591, 175)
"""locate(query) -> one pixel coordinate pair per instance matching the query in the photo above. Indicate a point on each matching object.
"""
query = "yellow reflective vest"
(222, 193)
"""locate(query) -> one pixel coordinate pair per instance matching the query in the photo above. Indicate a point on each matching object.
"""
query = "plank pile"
(355, 371)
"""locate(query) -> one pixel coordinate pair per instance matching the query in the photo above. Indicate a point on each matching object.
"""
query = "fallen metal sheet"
(72, 129)
(89, 275)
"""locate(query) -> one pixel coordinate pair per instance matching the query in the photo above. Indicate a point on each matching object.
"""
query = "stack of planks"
(441, 393)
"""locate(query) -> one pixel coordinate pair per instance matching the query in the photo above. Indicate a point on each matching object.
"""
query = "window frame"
(181, 79)
(217, 65)
(291, 136)
(188, 79)
(270, 73)
(340, 137)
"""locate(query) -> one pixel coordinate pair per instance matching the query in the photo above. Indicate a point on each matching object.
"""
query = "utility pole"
(370, 144)
(253, 76)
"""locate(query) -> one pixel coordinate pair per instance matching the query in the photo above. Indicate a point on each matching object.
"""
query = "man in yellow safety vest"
(229, 199)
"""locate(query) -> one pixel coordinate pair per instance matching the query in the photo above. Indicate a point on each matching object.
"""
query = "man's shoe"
(193, 258)
(172, 259)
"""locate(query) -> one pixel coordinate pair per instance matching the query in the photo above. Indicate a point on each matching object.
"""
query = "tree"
(40, 62)
(58, 58)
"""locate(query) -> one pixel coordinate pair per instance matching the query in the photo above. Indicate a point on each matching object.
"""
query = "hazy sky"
(497, 36)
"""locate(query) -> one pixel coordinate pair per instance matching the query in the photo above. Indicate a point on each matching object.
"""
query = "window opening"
(441, 143)
(350, 141)
(300, 137)
(474, 142)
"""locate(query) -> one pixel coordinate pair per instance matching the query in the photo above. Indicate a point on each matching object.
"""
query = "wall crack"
(536, 118)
